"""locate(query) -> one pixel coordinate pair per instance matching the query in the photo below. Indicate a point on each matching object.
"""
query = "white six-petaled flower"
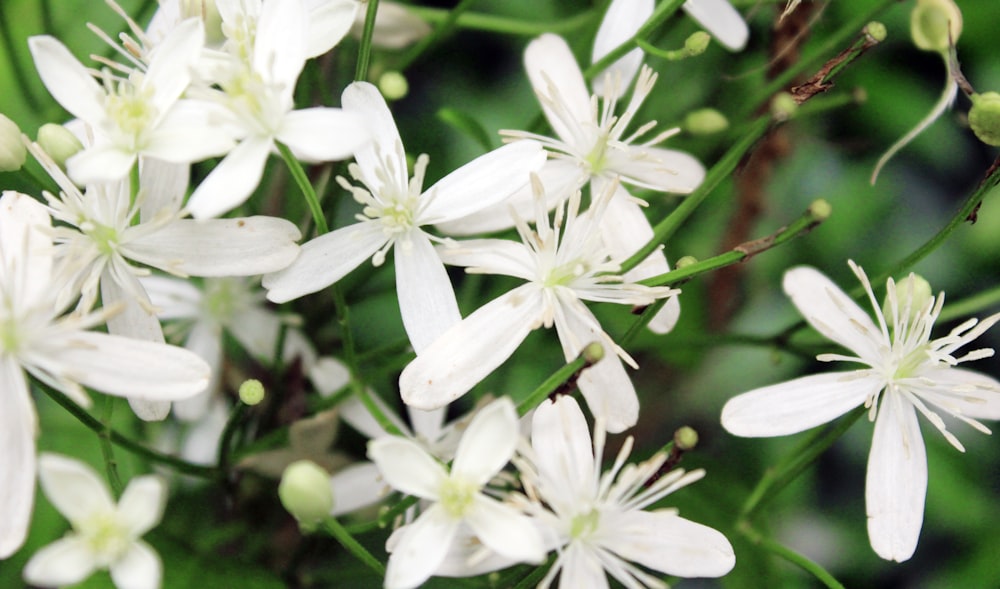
(904, 372)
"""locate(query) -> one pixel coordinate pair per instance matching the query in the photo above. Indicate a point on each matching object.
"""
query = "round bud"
(685, 438)
(685, 261)
(876, 30)
(12, 151)
(58, 142)
(705, 121)
(593, 352)
(697, 43)
(913, 293)
(783, 106)
(251, 392)
(305, 492)
(984, 117)
(393, 85)
(820, 209)
(935, 24)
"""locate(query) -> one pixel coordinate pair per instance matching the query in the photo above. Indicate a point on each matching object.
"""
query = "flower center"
(585, 524)
(10, 339)
(456, 496)
(105, 238)
(908, 364)
(130, 107)
(105, 536)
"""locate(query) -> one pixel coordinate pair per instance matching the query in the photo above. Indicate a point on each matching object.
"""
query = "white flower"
(721, 20)
(597, 520)
(395, 26)
(59, 352)
(267, 46)
(903, 372)
(105, 535)
(458, 496)
(395, 210)
(565, 262)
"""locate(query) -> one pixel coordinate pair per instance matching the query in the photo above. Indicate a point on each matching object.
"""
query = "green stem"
(333, 527)
(533, 578)
(386, 518)
(226, 439)
(365, 49)
(107, 451)
(662, 13)
(500, 24)
(553, 382)
(970, 305)
(123, 441)
(793, 557)
(312, 201)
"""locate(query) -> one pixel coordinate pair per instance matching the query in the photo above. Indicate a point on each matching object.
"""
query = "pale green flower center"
(597, 159)
(396, 217)
(10, 338)
(908, 365)
(565, 274)
(585, 524)
(105, 238)
(456, 496)
(130, 107)
(105, 535)
(222, 299)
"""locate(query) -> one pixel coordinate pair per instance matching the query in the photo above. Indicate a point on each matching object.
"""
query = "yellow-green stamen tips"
(305, 492)
(12, 151)
(935, 25)
(58, 142)
(252, 392)
(705, 121)
(984, 117)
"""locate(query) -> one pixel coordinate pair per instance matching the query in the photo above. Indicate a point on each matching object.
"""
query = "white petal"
(26, 251)
(141, 505)
(323, 134)
(491, 256)
(171, 61)
(219, 247)
(668, 543)
(721, 20)
(325, 260)
(189, 133)
(138, 568)
(426, 298)
(18, 428)
(329, 375)
(582, 567)
(232, 181)
(896, 483)
(174, 298)
(357, 486)
(469, 351)
(257, 329)
(73, 488)
(64, 562)
(407, 467)
(355, 414)
(329, 21)
(488, 443)
(665, 170)
(962, 391)
(419, 548)
(832, 312)
(147, 410)
(620, 23)
(164, 185)
(395, 26)
(505, 530)
(280, 44)
(563, 447)
(100, 163)
(487, 180)
(549, 57)
(67, 79)
(797, 405)
(366, 101)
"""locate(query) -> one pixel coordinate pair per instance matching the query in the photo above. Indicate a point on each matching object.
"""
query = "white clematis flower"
(721, 20)
(904, 372)
(105, 535)
(596, 520)
(458, 495)
(395, 210)
(59, 352)
(565, 262)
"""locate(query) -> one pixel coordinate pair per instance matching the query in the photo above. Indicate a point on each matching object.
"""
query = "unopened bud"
(12, 151)
(820, 209)
(685, 261)
(984, 117)
(59, 142)
(685, 438)
(306, 493)
(251, 392)
(935, 24)
(593, 353)
(783, 106)
(393, 85)
(697, 43)
(876, 30)
(912, 294)
(705, 121)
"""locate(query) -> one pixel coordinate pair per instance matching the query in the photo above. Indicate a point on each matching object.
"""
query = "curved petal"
(797, 405)
(962, 392)
(164, 184)
(189, 132)
(721, 20)
(620, 23)
(138, 568)
(67, 80)
(64, 562)
(407, 467)
(490, 256)
(279, 50)
(329, 22)
(488, 443)
(18, 429)
(232, 181)
(505, 530)
(325, 260)
(356, 487)
(831, 312)
(135, 320)
(665, 170)
(26, 252)
(329, 375)
(419, 548)
(147, 410)
(171, 62)
(73, 488)
(355, 414)
(426, 298)
(582, 568)
(100, 163)
(470, 350)
(395, 27)
(141, 505)
(174, 298)
(666, 542)
(323, 134)
(896, 483)
(487, 180)
(383, 156)
(563, 447)
(257, 329)
(554, 73)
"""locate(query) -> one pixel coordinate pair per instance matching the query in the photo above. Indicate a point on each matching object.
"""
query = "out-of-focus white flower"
(395, 210)
(565, 262)
(395, 26)
(105, 535)
(59, 352)
(721, 20)
(903, 373)
(458, 497)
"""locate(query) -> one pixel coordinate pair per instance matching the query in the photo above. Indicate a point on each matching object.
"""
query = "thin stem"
(107, 451)
(970, 305)
(793, 557)
(312, 201)
(479, 21)
(365, 49)
(226, 439)
(335, 529)
(558, 378)
(386, 517)
(662, 13)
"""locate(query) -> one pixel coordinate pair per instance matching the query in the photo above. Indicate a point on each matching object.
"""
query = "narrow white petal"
(73, 488)
(189, 134)
(549, 58)
(505, 530)
(896, 483)
(395, 27)
(329, 375)
(366, 101)
(831, 311)
(67, 80)
(325, 260)
(141, 505)
(64, 562)
(467, 558)
(100, 163)
(18, 429)
(666, 542)
(491, 256)
(488, 443)
(257, 330)
(469, 351)
(582, 568)
(355, 414)
(147, 410)
(232, 181)
(487, 180)
(797, 405)
(280, 44)
(323, 134)
(358, 486)
(134, 320)
(721, 20)
(620, 23)
(328, 23)
(25, 248)
(138, 568)
(170, 64)
(419, 548)
(164, 185)
(174, 298)
(971, 393)
(666, 170)
(407, 467)
(561, 440)
(426, 298)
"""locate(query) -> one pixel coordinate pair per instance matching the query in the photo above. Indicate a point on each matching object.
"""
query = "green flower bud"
(820, 209)
(58, 142)
(12, 151)
(876, 30)
(251, 392)
(393, 85)
(984, 117)
(305, 492)
(783, 106)
(697, 43)
(935, 24)
(705, 121)
(593, 353)
(685, 438)
(912, 291)
(685, 261)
